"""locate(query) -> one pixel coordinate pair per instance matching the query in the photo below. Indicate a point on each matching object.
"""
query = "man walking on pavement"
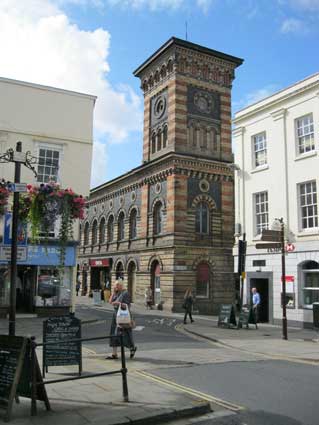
(256, 304)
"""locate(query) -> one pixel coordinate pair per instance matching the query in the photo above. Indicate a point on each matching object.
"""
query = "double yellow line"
(202, 396)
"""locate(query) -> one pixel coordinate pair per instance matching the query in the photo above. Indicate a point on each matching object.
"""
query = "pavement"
(151, 399)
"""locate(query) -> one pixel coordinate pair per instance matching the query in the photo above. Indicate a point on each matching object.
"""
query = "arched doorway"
(131, 280)
(156, 282)
(119, 272)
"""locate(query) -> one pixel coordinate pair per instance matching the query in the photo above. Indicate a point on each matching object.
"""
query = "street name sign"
(271, 236)
(275, 245)
(18, 187)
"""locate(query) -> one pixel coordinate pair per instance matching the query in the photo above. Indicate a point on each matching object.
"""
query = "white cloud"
(99, 163)
(255, 96)
(307, 5)
(155, 5)
(38, 43)
(293, 25)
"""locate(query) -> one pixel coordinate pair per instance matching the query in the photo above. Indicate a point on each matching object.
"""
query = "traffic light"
(242, 245)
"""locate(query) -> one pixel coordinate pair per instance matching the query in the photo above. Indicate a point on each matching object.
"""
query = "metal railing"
(34, 379)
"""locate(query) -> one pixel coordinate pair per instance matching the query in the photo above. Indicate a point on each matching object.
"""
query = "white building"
(56, 126)
(276, 150)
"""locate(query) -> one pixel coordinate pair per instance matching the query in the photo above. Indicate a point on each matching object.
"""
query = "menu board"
(59, 332)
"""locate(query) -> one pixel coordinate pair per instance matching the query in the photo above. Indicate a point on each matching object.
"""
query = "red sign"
(290, 247)
(289, 278)
(103, 262)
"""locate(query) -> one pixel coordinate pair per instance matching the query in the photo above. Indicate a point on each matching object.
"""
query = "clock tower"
(187, 101)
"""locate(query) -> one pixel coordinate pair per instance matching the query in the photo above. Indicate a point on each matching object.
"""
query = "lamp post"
(18, 157)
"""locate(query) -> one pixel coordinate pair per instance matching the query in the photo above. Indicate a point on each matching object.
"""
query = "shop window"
(133, 224)
(310, 283)
(120, 226)
(110, 229)
(202, 218)
(54, 288)
(94, 232)
(102, 230)
(158, 218)
(86, 233)
(202, 281)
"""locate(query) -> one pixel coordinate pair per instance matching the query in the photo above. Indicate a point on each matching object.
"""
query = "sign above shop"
(103, 262)
(5, 253)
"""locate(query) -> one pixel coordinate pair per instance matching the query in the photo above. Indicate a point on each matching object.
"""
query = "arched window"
(133, 224)
(102, 230)
(153, 143)
(196, 139)
(86, 233)
(165, 134)
(119, 272)
(94, 232)
(202, 218)
(110, 229)
(120, 227)
(202, 281)
(310, 283)
(159, 140)
(158, 218)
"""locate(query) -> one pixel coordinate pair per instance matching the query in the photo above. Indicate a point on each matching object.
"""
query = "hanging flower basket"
(4, 197)
(43, 205)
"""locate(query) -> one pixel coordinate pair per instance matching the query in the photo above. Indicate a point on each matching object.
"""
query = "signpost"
(57, 329)
(277, 242)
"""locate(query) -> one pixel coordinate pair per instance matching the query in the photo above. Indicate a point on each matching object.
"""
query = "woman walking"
(188, 305)
(119, 297)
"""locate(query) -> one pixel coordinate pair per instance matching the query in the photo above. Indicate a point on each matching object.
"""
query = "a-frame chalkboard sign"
(16, 374)
(57, 348)
(246, 317)
(227, 316)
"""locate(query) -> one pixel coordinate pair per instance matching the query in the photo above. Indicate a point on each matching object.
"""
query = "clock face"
(204, 102)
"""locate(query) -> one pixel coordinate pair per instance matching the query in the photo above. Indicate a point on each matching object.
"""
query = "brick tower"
(169, 223)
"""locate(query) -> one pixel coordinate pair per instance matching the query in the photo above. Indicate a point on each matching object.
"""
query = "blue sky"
(94, 45)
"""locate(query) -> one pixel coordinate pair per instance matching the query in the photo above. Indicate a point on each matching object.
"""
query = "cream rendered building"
(56, 126)
(276, 151)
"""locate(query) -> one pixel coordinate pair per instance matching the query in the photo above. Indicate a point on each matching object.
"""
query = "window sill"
(305, 233)
(261, 168)
(306, 155)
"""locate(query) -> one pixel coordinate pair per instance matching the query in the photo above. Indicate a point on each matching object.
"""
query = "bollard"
(123, 370)
(33, 346)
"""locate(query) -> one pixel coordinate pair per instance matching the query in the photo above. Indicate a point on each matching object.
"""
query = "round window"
(122, 201)
(133, 196)
(159, 107)
(204, 185)
(111, 205)
(158, 188)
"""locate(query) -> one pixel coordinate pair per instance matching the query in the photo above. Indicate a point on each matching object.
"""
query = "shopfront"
(100, 276)
(42, 285)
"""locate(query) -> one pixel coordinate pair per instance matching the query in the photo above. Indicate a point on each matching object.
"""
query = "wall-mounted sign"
(7, 233)
(103, 262)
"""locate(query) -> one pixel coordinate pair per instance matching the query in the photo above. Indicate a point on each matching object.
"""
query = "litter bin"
(315, 310)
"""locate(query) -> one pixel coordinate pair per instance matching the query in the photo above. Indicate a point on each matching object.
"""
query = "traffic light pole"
(14, 247)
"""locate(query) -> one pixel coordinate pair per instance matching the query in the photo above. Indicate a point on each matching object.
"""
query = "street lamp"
(18, 157)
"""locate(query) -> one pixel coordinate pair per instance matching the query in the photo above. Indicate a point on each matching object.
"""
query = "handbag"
(123, 316)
